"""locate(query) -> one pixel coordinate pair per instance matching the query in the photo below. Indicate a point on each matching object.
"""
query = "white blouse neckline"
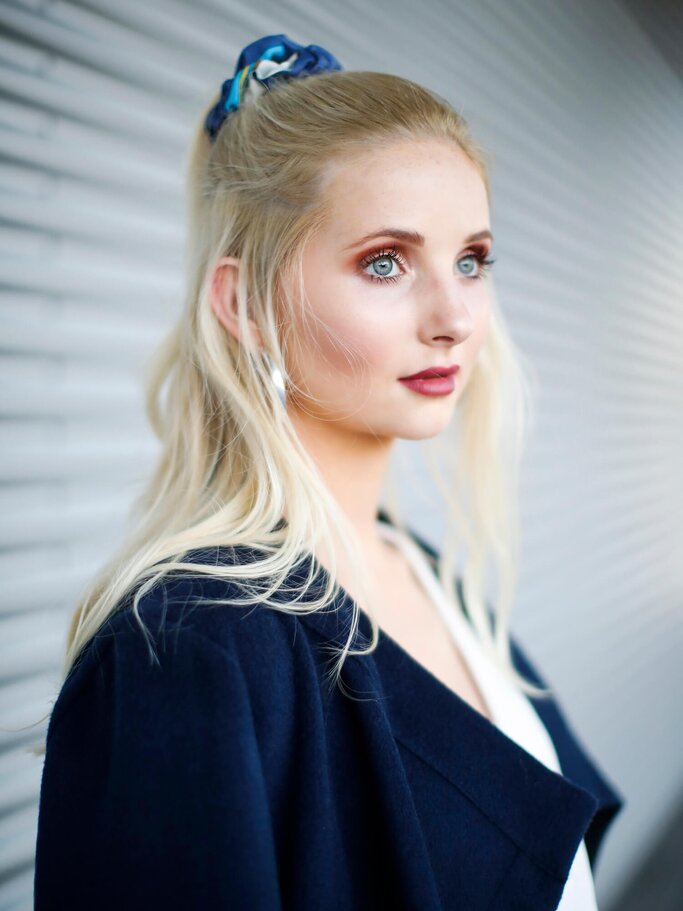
(510, 709)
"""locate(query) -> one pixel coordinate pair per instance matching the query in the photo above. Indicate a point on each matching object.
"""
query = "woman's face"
(388, 307)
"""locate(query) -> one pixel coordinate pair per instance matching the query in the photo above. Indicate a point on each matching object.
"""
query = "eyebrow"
(413, 237)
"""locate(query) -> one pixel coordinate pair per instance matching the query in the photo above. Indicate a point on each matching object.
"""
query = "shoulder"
(187, 709)
(190, 636)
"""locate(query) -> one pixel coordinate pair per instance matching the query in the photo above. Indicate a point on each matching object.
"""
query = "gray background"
(581, 105)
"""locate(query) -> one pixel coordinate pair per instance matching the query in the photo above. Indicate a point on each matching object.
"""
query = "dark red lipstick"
(432, 381)
(433, 371)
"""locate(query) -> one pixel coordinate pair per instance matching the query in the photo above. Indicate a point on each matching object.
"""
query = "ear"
(224, 297)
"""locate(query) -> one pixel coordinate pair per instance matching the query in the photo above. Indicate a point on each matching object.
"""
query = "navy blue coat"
(233, 776)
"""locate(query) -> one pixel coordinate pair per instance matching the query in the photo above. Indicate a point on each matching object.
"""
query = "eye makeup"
(395, 255)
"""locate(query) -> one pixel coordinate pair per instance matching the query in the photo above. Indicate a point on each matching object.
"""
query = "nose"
(447, 316)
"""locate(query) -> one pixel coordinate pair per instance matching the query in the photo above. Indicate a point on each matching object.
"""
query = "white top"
(509, 708)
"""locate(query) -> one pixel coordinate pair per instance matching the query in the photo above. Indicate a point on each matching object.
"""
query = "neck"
(353, 466)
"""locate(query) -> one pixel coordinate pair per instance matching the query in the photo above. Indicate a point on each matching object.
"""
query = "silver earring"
(276, 377)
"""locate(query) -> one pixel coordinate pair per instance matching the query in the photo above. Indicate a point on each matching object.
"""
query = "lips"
(433, 372)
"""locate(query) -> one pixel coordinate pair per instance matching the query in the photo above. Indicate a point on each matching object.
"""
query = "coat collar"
(576, 763)
(545, 813)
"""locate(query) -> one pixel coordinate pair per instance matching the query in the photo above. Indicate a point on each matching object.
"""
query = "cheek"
(360, 338)
(481, 325)
(475, 343)
(345, 331)
(483, 328)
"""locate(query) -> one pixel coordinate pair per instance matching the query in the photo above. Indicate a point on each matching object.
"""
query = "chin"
(423, 430)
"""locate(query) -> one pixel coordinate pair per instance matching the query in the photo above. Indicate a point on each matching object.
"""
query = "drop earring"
(276, 377)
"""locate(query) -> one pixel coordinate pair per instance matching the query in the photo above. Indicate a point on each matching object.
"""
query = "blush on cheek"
(350, 332)
(318, 360)
(347, 348)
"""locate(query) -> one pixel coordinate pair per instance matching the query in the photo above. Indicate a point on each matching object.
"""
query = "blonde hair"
(232, 465)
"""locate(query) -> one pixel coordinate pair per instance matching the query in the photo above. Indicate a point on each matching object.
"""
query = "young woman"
(203, 752)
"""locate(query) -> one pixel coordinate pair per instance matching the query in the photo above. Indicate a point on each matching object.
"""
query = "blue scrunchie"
(276, 49)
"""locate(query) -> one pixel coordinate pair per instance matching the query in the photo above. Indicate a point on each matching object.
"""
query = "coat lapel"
(544, 813)
(541, 812)
(575, 762)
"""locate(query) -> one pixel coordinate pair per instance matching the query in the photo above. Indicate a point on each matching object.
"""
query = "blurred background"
(580, 104)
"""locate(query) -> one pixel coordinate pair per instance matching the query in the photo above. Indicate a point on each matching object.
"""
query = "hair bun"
(262, 63)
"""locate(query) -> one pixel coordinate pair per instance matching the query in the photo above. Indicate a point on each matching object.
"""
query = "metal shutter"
(583, 116)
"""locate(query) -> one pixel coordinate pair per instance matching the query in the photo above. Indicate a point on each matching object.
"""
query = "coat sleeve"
(152, 792)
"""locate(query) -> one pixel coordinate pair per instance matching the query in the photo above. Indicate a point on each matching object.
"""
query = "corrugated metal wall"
(584, 119)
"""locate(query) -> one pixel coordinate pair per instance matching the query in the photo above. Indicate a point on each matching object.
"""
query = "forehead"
(406, 181)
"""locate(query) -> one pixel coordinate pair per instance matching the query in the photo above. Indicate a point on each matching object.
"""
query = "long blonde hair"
(232, 465)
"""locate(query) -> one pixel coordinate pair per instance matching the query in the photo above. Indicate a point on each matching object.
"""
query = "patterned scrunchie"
(262, 63)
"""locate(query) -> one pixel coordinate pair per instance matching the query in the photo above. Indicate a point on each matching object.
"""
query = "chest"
(409, 616)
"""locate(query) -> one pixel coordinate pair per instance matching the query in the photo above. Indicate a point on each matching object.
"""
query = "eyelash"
(392, 253)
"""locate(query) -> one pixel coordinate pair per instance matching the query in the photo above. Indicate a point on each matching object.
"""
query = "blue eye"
(382, 262)
(483, 263)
